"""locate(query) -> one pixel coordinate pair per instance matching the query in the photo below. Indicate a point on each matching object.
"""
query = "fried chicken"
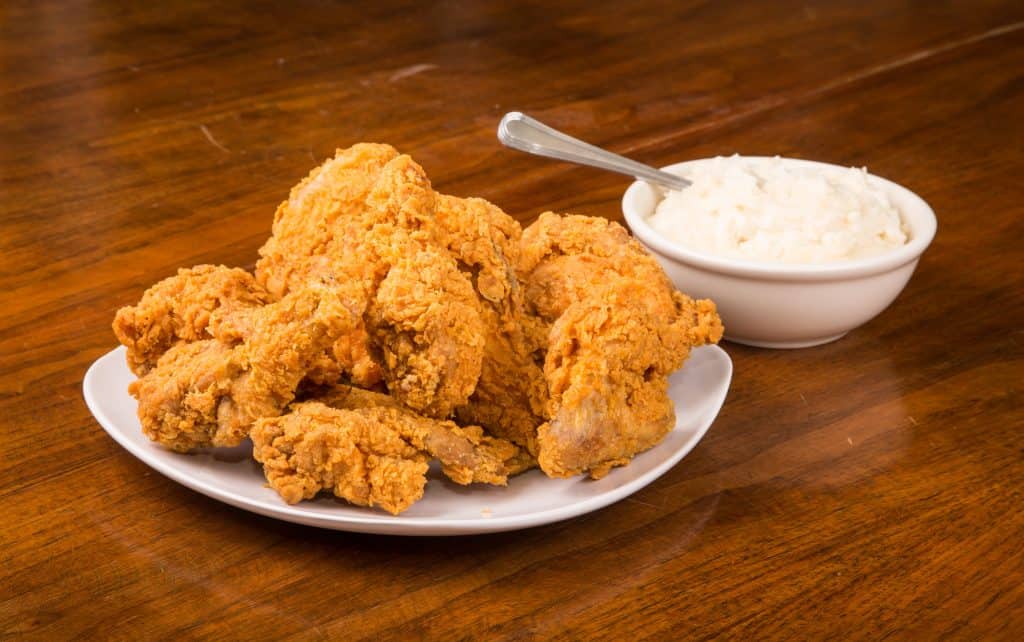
(550, 346)
(617, 329)
(362, 218)
(511, 394)
(188, 306)
(370, 454)
(467, 453)
(315, 447)
(209, 392)
(425, 321)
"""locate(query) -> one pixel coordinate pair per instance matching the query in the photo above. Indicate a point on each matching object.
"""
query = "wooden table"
(865, 488)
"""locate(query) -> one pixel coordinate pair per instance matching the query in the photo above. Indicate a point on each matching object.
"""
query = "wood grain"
(864, 489)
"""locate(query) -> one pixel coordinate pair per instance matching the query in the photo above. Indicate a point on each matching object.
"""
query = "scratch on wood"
(911, 420)
(213, 141)
(411, 70)
(849, 441)
(636, 501)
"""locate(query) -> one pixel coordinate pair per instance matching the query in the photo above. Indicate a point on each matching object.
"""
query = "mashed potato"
(770, 210)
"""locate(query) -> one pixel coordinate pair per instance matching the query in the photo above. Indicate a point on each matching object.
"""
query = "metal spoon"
(519, 131)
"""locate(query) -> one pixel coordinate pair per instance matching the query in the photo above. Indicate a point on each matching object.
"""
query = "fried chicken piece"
(209, 393)
(315, 447)
(362, 218)
(425, 318)
(510, 395)
(188, 306)
(331, 199)
(370, 455)
(467, 454)
(617, 330)
(317, 235)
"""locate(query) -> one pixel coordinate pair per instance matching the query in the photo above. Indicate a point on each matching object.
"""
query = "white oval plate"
(530, 499)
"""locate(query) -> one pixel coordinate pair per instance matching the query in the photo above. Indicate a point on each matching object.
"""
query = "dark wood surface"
(867, 488)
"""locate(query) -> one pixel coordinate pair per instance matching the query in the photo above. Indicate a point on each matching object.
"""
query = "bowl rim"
(923, 225)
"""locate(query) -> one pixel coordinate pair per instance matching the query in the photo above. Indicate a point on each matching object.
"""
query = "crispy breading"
(209, 393)
(500, 348)
(369, 454)
(617, 330)
(363, 219)
(425, 320)
(189, 306)
(510, 396)
(315, 447)
(467, 453)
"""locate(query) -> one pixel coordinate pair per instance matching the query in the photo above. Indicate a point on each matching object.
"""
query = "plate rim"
(392, 524)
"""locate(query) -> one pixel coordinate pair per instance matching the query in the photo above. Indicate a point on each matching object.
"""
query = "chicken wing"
(209, 392)
(467, 454)
(315, 447)
(188, 306)
(370, 455)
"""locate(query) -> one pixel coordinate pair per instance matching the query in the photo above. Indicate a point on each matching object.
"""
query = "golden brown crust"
(425, 320)
(315, 447)
(616, 330)
(208, 393)
(510, 396)
(196, 303)
(371, 455)
(467, 454)
(363, 219)
(551, 345)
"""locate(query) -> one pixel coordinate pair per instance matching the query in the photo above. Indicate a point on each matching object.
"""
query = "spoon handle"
(519, 131)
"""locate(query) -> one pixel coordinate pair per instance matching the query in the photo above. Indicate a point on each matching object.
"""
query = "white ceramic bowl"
(787, 306)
